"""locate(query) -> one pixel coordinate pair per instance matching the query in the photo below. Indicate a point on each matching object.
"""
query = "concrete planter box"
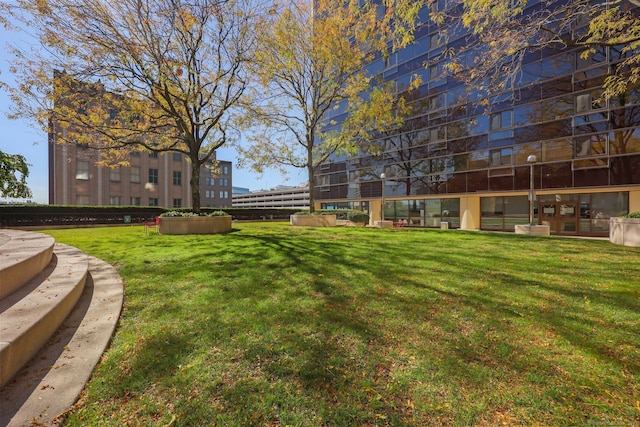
(313, 220)
(625, 231)
(534, 229)
(195, 225)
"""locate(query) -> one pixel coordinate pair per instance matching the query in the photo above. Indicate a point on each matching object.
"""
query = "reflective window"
(134, 174)
(82, 170)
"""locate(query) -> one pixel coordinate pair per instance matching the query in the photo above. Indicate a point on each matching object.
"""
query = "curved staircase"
(58, 310)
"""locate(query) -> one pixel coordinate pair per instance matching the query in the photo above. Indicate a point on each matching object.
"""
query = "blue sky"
(18, 137)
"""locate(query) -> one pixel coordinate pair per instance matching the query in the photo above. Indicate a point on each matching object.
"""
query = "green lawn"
(272, 325)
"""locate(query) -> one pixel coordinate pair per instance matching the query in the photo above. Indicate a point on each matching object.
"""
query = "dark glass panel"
(521, 178)
(501, 183)
(477, 181)
(458, 183)
(625, 170)
(420, 186)
(528, 95)
(558, 87)
(551, 130)
(624, 141)
(555, 175)
(591, 177)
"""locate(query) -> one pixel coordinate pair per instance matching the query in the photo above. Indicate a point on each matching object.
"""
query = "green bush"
(357, 216)
(633, 215)
(218, 213)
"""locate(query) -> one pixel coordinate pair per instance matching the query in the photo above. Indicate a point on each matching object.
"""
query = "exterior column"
(470, 212)
(634, 200)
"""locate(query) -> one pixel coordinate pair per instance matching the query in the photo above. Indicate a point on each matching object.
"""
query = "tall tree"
(14, 171)
(312, 66)
(160, 75)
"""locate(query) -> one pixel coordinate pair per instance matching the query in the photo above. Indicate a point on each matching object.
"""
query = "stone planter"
(624, 231)
(313, 220)
(534, 229)
(195, 225)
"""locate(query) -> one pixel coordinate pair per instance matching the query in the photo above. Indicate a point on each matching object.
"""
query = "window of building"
(592, 145)
(82, 170)
(501, 120)
(501, 157)
(135, 201)
(177, 157)
(114, 174)
(153, 176)
(583, 103)
(134, 174)
(437, 102)
(135, 154)
(153, 155)
(225, 170)
(224, 194)
(177, 178)
(153, 201)
(82, 200)
(114, 200)
(177, 203)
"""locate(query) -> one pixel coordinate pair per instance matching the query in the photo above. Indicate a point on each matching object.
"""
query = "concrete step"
(22, 256)
(51, 382)
(32, 313)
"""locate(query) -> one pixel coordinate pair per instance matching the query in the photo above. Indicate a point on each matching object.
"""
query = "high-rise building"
(470, 166)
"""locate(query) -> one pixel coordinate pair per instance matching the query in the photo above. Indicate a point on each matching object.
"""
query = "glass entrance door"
(561, 217)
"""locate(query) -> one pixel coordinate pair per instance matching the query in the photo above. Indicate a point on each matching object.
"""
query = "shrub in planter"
(632, 215)
(218, 213)
(358, 216)
(178, 214)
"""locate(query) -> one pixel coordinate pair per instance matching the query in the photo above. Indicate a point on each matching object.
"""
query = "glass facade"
(453, 148)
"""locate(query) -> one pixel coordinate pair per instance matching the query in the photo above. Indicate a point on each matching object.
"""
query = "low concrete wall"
(313, 220)
(537, 230)
(625, 231)
(195, 225)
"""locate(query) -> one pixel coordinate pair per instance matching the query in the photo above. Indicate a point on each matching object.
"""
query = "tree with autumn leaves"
(311, 67)
(157, 75)
(187, 76)
(173, 75)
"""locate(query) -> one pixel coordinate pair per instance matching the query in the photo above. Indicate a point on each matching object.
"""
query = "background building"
(152, 179)
(467, 165)
(279, 197)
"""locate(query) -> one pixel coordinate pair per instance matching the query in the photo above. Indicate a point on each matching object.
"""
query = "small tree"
(311, 64)
(14, 171)
(161, 75)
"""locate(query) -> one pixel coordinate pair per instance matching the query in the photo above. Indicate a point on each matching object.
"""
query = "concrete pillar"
(470, 212)
(634, 200)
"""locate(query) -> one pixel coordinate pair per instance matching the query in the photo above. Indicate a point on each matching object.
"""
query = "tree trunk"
(312, 207)
(195, 185)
